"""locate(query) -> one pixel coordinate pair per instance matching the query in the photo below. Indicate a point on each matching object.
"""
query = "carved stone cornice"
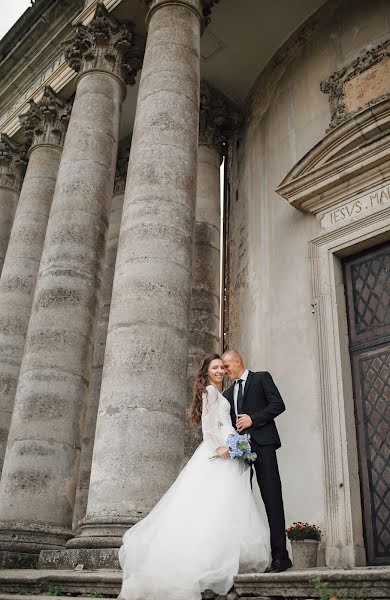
(46, 121)
(202, 7)
(105, 44)
(13, 162)
(121, 165)
(219, 118)
(357, 150)
(335, 85)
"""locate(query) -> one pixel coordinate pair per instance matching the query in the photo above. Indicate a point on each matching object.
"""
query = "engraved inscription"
(348, 211)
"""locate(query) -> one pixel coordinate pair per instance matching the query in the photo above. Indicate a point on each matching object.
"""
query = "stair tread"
(43, 597)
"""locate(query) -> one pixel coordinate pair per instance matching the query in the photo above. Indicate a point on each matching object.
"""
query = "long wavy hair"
(200, 383)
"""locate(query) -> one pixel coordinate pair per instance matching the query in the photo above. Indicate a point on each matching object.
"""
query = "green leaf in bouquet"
(251, 456)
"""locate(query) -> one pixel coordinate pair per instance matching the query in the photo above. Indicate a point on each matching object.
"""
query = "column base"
(89, 558)
(23, 539)
(102, 532)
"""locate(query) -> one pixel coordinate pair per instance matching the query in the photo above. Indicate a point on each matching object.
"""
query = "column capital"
(13, 162)
(121, 165)
(46, 121)
(207, 6)
(107, 45)
(219, 118)
(202, 7)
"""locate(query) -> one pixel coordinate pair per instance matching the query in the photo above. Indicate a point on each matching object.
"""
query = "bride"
(207, 526)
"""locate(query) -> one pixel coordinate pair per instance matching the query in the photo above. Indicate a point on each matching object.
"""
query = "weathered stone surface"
(363, 82)
(100, 339)
(98, 558)
(20, 544)
(13, 164)
(75, 582)
(49, 596)
(368, 86)
(369, 582)
(18, 560)
(205, 296)
(373, 582)
(141, 410)
(121, 168)
(40, 473)
(56, 366)
(105, 582)
(218, 119)
(202, 6)
(46, 123)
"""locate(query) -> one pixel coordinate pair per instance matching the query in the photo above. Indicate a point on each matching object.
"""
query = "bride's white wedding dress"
(203, 530)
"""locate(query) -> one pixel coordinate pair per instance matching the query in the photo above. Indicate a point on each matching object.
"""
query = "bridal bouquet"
(239, 447)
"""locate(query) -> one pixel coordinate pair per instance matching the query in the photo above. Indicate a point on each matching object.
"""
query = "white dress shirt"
(243, 378)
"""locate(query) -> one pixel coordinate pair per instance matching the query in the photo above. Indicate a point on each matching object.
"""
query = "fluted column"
(219, 118)
(45, 125)
(101, 335)
(140, 426)
(38, 485)
(12, 168)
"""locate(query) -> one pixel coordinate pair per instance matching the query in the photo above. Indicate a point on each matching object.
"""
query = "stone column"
(219, 118)
(38, 485)
(140, 426)
(101, 335)
(12, 168)
(45, 125)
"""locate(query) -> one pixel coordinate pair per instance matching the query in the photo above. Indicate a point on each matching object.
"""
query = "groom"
(255, 402)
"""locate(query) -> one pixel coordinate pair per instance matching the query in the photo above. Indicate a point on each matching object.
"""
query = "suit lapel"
(229, 393)
(247, 385)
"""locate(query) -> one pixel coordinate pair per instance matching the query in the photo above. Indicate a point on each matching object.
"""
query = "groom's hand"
(243, 422)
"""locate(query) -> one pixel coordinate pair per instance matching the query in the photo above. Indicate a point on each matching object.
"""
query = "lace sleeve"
(210, 422)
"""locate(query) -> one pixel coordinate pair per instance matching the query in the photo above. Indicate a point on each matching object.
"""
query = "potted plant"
(304, 544)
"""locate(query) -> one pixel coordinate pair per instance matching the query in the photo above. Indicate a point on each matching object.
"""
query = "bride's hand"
(223, 452)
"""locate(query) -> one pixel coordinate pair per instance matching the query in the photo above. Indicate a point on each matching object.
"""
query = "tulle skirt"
(201, 533)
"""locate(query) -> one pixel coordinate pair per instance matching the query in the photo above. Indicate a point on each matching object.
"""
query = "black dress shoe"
(278, 565)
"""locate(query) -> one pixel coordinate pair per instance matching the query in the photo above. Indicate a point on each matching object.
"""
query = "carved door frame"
(345, 542)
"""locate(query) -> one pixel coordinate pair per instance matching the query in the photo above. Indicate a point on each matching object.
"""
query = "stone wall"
(269, 284)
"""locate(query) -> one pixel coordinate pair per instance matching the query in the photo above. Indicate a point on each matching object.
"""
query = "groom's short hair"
(233, 354)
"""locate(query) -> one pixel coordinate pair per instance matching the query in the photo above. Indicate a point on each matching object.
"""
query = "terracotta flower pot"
(304, 553)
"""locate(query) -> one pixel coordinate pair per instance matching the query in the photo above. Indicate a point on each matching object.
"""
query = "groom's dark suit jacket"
(262, 402)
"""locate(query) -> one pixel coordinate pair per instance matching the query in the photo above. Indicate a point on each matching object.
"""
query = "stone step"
(368, 583)
(206, 596)
(33, 584)
(360, 583)
(40, 581)
(42, 597)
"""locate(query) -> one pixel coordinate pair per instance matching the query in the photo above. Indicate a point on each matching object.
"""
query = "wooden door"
(367, 285)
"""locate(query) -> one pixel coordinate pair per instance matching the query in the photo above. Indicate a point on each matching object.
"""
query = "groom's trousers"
(268, 478)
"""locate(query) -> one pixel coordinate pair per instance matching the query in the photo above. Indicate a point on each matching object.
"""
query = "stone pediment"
(351, 159)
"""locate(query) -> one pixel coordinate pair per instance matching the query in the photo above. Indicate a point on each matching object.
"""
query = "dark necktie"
(239, 396)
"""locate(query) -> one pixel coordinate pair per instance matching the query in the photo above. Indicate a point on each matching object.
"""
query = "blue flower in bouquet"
(239, 447)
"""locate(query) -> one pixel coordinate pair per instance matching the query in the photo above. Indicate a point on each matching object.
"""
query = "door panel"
(367, 284)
